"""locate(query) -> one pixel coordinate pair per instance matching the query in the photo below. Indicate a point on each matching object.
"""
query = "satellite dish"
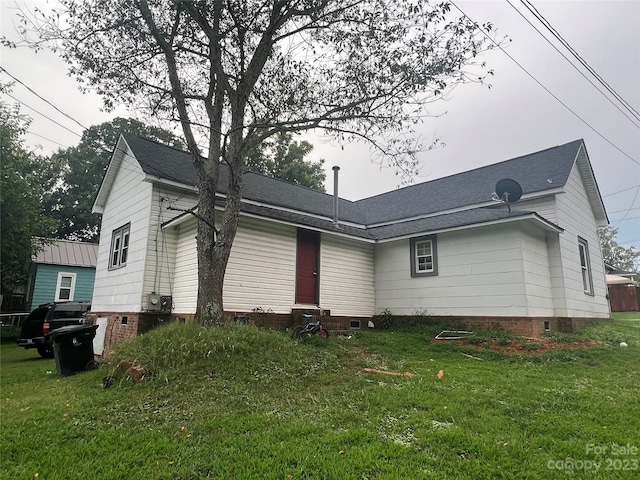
(509, 191)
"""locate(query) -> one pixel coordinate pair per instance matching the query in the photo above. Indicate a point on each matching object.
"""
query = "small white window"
(119, 247)
(585, 266)
(65, 287)
(423, 256)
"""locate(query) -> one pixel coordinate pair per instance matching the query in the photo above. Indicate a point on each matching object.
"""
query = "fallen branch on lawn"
(384, 372)
(471, 356)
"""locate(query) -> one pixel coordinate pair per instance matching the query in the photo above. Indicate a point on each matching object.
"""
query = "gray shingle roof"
(537, 172)
(175, 165)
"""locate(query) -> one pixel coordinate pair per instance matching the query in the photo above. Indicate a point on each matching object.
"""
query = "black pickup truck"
(46, 318)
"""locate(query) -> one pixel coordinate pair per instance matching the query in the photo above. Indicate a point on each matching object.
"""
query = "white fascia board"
(178, 220)
(531, 196)
(591, 185)
(171, 183)
(544, 224)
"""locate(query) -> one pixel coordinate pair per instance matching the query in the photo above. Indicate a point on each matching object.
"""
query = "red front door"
(307, 267)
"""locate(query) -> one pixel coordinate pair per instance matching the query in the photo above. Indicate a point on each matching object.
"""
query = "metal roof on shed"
(70, 253)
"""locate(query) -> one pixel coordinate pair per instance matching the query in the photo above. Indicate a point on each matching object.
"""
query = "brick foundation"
(126, 325)
(529, 327)
(122, 326)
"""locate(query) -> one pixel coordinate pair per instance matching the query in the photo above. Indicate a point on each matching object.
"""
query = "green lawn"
(238, 402)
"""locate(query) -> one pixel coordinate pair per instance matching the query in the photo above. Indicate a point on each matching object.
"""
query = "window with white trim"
(424, 256)
(65, 287)
(119, 247)
(585, 266)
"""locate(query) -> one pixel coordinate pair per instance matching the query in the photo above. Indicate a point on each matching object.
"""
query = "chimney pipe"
(336, 169)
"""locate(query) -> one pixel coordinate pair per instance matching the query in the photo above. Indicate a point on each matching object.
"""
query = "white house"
(442, 248)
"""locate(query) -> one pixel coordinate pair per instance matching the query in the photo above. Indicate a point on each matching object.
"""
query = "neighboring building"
(63, 270)
(441, 248)
(612, 271)
(624, 293)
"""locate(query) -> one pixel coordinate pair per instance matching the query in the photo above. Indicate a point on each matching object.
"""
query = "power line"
(633, 120)
(40, 113)
(620, 211)
(630, 208)
(556, 34)
(47, 139)
(42, 98)
(621, 191)
(546, 89)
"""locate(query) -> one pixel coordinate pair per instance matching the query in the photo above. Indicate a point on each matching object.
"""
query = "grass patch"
(9, 334)
(240, 402)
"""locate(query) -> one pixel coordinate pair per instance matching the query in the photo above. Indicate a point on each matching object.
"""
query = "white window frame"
(59, 287)
(415, 244)
(585, 266)
(119, 251)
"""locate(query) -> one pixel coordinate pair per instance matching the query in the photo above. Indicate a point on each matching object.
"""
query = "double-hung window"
(65, 286)
(119, 247)
(585, 266)
(423, 256)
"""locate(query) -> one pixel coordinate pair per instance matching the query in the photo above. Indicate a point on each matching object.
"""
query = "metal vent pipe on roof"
(336, 169)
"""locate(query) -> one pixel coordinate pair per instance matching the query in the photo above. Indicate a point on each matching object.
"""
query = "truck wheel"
(45, 352)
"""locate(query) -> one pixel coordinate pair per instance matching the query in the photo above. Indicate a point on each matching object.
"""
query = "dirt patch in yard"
(527, 346)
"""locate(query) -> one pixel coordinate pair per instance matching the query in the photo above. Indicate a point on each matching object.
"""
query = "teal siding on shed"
(46, 279)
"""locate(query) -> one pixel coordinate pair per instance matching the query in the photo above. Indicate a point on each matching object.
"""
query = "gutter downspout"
(336, 169)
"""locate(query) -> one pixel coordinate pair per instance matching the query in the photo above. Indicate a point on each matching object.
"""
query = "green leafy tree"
(615, 254)
(282, 157)
(27, 179)
(84, 167)
(237, 72)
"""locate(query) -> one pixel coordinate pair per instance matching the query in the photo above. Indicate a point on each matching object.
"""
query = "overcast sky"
(479, 126)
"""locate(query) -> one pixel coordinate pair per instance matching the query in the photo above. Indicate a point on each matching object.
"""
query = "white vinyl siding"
(261, 269)
(545, 207)
(576, 217)
(185, 285)
(346, 276)
(160, 261)
(537, 272)
(260, 272)
(129, 201)
(480, 273)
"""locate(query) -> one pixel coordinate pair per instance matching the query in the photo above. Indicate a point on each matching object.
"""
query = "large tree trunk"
(209, 309)
(214, 248)
(213, 255)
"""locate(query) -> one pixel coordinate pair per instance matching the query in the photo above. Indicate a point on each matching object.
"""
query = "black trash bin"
(73, 348)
